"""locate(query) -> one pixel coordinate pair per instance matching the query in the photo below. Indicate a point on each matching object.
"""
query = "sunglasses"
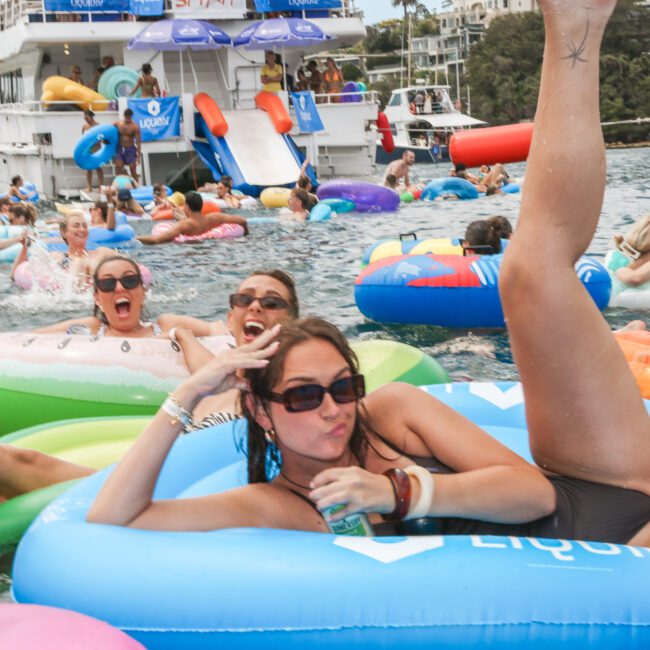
(107, 285)
(266, 302)
(310, 396)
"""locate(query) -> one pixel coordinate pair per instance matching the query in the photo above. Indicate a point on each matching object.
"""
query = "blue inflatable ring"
(144, 193)
(107, 135)
(463, 189)
(258, 589)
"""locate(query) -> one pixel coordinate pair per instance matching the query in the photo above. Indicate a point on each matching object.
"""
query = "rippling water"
(324, 258)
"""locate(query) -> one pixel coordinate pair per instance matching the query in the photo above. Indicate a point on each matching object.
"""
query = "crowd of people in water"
(398, 456)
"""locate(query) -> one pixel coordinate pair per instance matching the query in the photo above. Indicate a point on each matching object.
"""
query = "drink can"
(356, 524)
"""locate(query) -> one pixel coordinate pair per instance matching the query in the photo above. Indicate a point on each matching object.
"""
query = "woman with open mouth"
(261, 300)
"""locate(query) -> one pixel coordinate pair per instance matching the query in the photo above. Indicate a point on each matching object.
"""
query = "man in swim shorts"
(400, 168)
(128, 149)
(195, 222)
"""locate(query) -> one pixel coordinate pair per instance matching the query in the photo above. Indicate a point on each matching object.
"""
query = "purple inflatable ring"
(367, 197)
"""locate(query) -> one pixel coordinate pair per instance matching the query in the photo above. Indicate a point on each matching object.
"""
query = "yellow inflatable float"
(61, 89)
(275, 197)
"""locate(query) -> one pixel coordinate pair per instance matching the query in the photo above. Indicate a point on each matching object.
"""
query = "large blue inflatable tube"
(459, 187)
(450, 290)
(107, 136)
(257, 588)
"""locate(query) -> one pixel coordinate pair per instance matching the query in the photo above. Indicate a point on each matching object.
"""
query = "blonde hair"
(638, 237)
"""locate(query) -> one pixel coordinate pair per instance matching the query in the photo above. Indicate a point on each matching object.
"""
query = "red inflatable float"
(383, 126)
(495, 144)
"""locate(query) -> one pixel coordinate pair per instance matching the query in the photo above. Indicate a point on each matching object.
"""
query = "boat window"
(11, 87)
(395, 100)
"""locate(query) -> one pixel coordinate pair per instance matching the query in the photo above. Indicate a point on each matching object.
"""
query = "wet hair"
(97, 312)
(502, 226)
(638, 236)
(304, 183)
(5, 201)
(15, 179)
(194, 201)
(491, 190)
(460, 167)
(482, 233)
(303, 197)
(263, 456)
(103, 207)
(146, 68)
(20, 210)
(391, 181)
(226, 179)
(32, 211)
(128, 113)
(289, 283)
(461, 173)
(226, 182)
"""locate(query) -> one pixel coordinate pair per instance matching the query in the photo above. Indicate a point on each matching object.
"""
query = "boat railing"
(30, 107)
(345, 99)
(16, 12)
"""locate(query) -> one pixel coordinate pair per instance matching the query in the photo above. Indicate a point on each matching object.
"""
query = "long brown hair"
(263, 456)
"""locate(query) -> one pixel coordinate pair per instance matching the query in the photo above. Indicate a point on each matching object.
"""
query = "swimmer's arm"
(156, 88)
(22, 256)
(195, 354)
(6, 243)
(634, 277)
(493, 483)
(196, 326)
(136, 87)
(63, 326)
(163, 237)
(110, 217)
(217, 219)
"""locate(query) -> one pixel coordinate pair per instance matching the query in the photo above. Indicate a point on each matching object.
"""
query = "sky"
(376, 10)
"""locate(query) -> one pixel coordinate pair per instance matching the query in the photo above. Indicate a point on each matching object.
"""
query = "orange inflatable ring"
(383, 126)
(636, 348)
(163, 215)
(209, 208)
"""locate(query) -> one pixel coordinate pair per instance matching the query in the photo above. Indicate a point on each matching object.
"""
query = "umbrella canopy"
(284, 32)
(180, 34)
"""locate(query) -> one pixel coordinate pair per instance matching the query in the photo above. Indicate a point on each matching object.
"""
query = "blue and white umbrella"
(180, 35)
(283, 33)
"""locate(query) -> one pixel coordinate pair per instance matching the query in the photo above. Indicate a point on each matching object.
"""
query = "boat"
(423, 125)
(44, 38)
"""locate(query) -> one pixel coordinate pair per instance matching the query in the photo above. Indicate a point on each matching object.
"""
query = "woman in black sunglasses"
(119, 302)
(399, 452)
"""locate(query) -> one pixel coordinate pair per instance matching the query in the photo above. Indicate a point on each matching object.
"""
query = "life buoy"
(105, 134)
(383, 126)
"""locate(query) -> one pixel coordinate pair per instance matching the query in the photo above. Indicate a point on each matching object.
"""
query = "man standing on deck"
(271, 75)
(400, 168)
(195, 223)
(128, 150)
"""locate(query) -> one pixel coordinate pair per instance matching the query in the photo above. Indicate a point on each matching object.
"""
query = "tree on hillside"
(503, 68)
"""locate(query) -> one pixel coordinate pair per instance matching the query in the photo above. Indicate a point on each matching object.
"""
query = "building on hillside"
(461, 26)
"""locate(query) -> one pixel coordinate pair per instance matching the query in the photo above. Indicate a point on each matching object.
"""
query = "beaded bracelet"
(402, 487)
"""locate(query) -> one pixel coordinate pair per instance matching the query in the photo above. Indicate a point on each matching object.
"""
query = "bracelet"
(427, 487)
(402, 487)
(176, 412)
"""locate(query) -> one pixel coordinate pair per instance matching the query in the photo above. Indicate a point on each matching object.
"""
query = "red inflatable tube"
(212, 114)
(273, 105)
(495, 144)
(383, 126)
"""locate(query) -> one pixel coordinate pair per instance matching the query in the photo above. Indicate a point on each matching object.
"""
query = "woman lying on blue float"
(588, 427)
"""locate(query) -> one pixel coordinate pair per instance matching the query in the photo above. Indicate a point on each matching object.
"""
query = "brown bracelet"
(402, 487)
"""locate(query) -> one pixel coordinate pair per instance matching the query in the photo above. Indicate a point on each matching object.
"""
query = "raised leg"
(585, 415)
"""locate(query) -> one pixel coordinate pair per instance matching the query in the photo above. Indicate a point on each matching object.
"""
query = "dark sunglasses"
(266, 302)
(310, 396)
(107, 285)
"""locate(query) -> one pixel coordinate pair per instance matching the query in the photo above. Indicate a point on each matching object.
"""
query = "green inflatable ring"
(118, 81)
(92, 442)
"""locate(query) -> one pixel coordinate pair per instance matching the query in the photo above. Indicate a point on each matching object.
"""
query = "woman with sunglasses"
(119, 293)
(399, 452)
(261, 300)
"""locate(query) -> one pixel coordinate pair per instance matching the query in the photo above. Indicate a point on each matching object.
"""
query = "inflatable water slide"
(252, 146)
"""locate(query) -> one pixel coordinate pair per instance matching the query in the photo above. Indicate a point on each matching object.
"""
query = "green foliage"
(384, 89)
(503, 69)
(351, 72)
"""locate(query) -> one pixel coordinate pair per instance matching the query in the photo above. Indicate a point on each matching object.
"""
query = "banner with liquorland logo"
(158, 118)
(136, 7)
(297, 5)
(309, 120)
